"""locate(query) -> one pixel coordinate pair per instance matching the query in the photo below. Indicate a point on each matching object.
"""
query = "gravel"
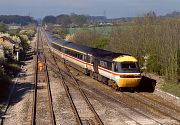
(110, 111)
(20, 108)
(61, 105)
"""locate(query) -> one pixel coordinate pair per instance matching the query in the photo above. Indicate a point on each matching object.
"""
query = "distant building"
(14, 26)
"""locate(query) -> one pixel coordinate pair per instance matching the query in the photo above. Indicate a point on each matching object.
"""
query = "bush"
(3, 27)
(153, 65)
(15, 68)
(12, 69)
(24, 42)
(4, 84)
(4, 78)
(100, 42)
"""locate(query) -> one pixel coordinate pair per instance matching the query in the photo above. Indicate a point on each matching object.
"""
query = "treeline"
(64, 20)
(90, 38)
(154, 41)
(16, 19)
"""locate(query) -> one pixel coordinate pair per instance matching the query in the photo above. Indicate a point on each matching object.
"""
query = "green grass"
(172, 88)
(105, 30)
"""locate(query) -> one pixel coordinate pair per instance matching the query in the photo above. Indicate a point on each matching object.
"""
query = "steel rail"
(79, 122)
(81, 91)
(34, 112)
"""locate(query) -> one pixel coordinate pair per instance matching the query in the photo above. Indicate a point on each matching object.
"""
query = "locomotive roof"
(53, 37)
(78, 47)
(98, 53)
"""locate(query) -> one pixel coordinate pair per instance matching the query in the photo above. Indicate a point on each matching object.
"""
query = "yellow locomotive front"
(127, 71)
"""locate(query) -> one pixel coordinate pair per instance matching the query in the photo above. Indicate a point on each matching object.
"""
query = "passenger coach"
(115, 69)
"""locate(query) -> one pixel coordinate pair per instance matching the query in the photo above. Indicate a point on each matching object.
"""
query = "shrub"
(4, 84)
(4, 78)
(100, 42)
(15, 68)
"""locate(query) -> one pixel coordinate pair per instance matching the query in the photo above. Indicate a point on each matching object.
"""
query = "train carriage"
(117, 69)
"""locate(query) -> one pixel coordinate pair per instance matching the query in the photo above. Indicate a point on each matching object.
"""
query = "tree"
(49, 19)
(100, 43)
(63, 20)
(22, 20)
(67, 20)
(78, 20)
(3, 27)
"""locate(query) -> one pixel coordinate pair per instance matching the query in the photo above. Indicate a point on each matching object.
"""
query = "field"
(104, 30)
(172, 88)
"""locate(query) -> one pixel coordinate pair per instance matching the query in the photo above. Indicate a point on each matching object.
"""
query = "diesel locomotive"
(118, 70)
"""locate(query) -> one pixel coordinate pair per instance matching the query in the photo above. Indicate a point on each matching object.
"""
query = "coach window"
(80, 56)
(84, 57)
(88, 59)
(73, 53)
(77, 55)
(109, 65)
(69, 52)
(103, 64)
(92, 59)
(59, 48)
(63, 50)
(66, 51)
(115, 67)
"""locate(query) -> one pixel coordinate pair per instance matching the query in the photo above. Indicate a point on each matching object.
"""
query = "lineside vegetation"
(153, 40)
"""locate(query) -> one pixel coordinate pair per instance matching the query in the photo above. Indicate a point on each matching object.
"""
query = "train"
(118, 70)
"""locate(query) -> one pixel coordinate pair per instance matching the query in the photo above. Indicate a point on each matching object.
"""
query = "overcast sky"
(110, 8)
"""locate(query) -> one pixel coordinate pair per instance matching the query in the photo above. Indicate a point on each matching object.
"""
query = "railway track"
(84, 111)
(163, 108)
(69, 87)
(138, 100)
(160, 101)
(113, 99)
(142, 102)
(152, 104)
(6, 104)
(87, 102)
(42, 112)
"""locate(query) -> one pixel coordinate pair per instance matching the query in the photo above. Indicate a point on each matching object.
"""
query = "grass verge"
(172, 88)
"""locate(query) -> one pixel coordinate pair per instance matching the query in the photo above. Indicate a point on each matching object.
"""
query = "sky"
(108, 8)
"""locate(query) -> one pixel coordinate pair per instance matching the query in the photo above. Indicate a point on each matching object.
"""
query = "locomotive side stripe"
(118, 74)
